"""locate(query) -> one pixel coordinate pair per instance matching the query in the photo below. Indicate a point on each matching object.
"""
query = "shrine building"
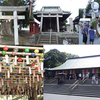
(51, 18)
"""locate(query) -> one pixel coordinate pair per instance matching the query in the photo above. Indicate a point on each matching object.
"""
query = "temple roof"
(50, 8)
(53, 10)
(80, 63)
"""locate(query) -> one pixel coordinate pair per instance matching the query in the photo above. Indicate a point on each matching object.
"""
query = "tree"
(7, 27)
(80, 13)
(55, 58)
(89, 6)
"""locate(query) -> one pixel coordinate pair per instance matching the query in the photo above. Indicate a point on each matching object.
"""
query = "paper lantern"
(7, 64)
(33, 64)
(13, 68)
(41, 54)
(19, 59)
(25, 64)
(39, 77)
(32, 54)
(15, 88)
(36, 68)
(26, 50)
(5, 48)
(3, 52)
(1, 59)
(36, 51)
(1, 75)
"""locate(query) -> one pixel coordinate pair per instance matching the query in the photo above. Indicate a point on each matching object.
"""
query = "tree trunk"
(7, 28)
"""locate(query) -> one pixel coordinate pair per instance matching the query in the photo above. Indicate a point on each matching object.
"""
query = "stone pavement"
(96, 39)
(66, 97)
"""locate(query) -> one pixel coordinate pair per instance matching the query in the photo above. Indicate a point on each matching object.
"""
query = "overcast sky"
(66, 5)
(80, 50)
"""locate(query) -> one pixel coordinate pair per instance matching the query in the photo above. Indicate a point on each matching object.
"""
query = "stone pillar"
(41, 23)
(71, 24)
(0, 13)
(57, 23)
(15, 28)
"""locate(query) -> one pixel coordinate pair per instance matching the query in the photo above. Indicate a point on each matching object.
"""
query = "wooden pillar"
(41, 23)
(15, 28)
(57, 23)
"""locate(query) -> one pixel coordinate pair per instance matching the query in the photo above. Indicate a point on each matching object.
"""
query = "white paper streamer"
(41, 65)
(27, 59)
(15, 60)
(0, 67)
(8, 74)
(30, 70)
(11, 68)
(6, 56)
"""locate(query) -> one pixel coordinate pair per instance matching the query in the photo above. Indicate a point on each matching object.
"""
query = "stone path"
(66, 97)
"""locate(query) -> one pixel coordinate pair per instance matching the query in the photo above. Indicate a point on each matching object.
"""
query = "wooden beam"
(11, 17)
(50, 16)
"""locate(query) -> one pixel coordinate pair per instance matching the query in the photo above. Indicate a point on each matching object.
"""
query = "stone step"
(90, 91)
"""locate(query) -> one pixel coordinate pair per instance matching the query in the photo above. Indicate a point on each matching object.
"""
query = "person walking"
(85, 33)
(92, 34)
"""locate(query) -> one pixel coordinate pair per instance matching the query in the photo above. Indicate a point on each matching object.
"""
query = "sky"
(66, 5)
(80, 50)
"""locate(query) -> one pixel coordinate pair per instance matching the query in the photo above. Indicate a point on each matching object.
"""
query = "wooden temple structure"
(21, 72)
(51, 18)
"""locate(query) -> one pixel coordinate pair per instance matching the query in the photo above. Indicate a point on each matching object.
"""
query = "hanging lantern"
(1, 59)
(7, 64)
(33, 64)
(13, 68)
(5, 48)
(36, 68)
(32, 54)
(25, 64)
(19, 59)
(39, 77)
(3, 52)
(36, 51)
(26, 50)
(41, 54)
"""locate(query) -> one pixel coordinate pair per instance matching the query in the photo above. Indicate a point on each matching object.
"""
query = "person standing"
(91, 33)
(85, 33)
(80, 76)
(96, 81)
(93, 79)
(87, 75)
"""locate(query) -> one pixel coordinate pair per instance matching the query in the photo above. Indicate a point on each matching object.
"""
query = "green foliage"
(93, 22)
(26, 13)
(5, 3)
(64, 22)
(58, 64)
(55, 58)
(89, 6)
(80, 13)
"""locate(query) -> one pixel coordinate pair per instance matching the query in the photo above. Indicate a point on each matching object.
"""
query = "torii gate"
(13, 9)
